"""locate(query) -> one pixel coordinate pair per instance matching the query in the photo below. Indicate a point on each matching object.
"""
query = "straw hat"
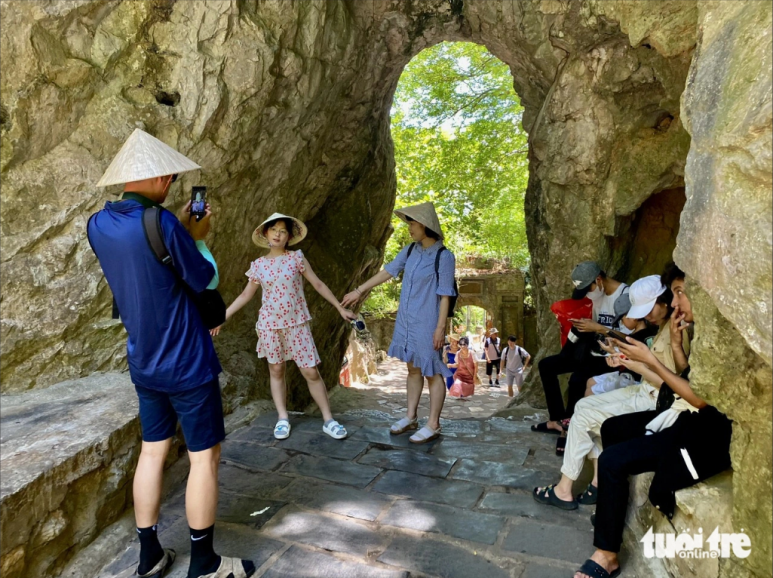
(299, 230)
(424, 214)
(453, 336)
(143, 157)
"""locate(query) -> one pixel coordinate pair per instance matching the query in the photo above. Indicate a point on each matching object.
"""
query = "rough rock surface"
(286, 106)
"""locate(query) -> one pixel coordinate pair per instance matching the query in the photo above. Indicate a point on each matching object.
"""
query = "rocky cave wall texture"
(286, 106)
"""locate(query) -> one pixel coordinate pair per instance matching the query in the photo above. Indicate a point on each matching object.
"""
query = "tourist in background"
(283, 322)
(515, 360)
(466, 373)
(492, 353)
(421, 315)
(449, 357)
(172, 361)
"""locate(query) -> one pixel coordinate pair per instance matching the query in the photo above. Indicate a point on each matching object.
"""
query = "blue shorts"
(199, 411)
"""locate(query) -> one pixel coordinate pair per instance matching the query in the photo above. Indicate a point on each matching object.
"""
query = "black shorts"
(490, 365)
(199, 411)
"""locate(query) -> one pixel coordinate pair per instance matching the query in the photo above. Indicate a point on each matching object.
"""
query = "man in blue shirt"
(172, 360)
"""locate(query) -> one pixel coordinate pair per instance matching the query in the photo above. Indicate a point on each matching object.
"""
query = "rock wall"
(286, 106)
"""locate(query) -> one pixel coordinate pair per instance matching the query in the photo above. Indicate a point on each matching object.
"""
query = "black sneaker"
(490, 383)
(497, 382)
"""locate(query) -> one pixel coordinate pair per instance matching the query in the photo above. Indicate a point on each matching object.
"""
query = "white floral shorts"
(290, 343)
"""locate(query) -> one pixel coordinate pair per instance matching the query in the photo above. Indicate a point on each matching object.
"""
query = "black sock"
(203, 558)
(151, 551)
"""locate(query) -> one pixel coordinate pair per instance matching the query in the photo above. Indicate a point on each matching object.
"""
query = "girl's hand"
(216, 331)
(347, 315)
(614, 361)
(439, 338)
(636, 350)
(675, 327)
(350, 299)
(635, 366)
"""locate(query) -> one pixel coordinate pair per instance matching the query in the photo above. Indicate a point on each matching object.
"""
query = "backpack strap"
(410, 250)
(115, 314)
(437, 263)
(151, 224)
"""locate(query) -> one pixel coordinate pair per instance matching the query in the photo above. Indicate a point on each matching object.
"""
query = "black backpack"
(452, 300)
(209, 302)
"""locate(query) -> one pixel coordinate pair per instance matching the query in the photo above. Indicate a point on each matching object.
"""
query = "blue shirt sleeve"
(397, 266)
(190, 264)
(204, 250)
(446, 270)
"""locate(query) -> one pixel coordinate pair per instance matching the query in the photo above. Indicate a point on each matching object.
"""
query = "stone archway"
(286, 104)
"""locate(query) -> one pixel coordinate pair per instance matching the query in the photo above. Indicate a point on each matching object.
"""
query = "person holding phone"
(652, 300)
(172, 361)
(425, 298)
(610, 304)
(283, 322)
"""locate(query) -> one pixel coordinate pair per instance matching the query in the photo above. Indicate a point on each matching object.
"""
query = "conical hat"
(299, 230)
(424, 214)
(143, 157)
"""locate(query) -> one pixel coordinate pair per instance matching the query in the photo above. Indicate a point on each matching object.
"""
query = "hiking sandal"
(547, 496)
(282, 429)
(591, 568)
(424, 435)
(589, 496)
(163, 565)
(232, 568)
(404, 425)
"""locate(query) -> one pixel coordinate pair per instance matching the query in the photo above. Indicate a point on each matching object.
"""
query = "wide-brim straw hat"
(424, 214)
(299, 230)
(453, 336)
(142, 157)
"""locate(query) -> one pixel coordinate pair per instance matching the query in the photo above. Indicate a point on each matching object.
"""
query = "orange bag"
(571, 309)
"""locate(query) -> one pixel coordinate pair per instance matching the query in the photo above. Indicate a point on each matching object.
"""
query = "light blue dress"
(417, 314)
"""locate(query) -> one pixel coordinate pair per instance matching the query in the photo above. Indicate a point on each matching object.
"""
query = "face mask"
(597, 294)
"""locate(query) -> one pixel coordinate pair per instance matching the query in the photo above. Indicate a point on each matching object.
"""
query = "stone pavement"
(377, 506)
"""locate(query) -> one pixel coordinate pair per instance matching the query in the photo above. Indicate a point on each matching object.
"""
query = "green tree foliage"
(456, 127)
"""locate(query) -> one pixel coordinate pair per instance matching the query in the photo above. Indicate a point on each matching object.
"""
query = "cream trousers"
(584, 436)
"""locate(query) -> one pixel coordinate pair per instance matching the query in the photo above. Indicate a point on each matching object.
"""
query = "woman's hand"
(588, 325)
(347, 315)
(675, 327)
(350, 299)
(636, 350)
(216, 331)
(613, 361)
(635, 366)
(439, 338)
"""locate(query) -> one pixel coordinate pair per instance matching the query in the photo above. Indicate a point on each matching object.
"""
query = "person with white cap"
(283, 322)
(172, 360)
(651, 300)
(425, 304)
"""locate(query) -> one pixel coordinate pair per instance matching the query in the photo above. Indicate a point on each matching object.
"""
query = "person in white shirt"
(492, 351)
(515, 360)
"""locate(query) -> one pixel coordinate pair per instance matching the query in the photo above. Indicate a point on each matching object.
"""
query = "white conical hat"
(424, 214)
(143, 157)
(299, 230)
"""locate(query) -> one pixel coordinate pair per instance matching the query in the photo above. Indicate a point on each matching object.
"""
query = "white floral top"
(284, 304)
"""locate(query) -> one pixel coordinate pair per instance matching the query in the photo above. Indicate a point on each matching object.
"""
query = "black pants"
(628, 452)
(549, 370)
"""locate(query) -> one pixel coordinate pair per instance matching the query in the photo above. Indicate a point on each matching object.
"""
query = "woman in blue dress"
(421, 316)
(449, 357)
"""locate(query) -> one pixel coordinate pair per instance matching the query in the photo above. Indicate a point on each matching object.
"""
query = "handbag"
(666, 398)
(209, 303)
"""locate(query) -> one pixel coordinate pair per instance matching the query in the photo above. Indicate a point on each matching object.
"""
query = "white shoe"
(282, 429)
(335, 430)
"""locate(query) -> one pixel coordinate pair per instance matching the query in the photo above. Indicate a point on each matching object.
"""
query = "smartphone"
(198, 202)
(617, 335)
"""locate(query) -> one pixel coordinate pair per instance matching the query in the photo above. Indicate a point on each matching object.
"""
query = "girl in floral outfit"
(283, 322)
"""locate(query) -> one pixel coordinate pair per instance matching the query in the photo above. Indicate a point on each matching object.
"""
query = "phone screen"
(198, 202)
(617, 335)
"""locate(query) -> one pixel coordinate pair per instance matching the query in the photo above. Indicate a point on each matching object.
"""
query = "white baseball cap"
(644, 293)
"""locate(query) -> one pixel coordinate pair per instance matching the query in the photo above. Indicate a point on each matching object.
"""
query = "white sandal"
(424, 435)
(335, 430)
(403, 426)
(282, 429)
